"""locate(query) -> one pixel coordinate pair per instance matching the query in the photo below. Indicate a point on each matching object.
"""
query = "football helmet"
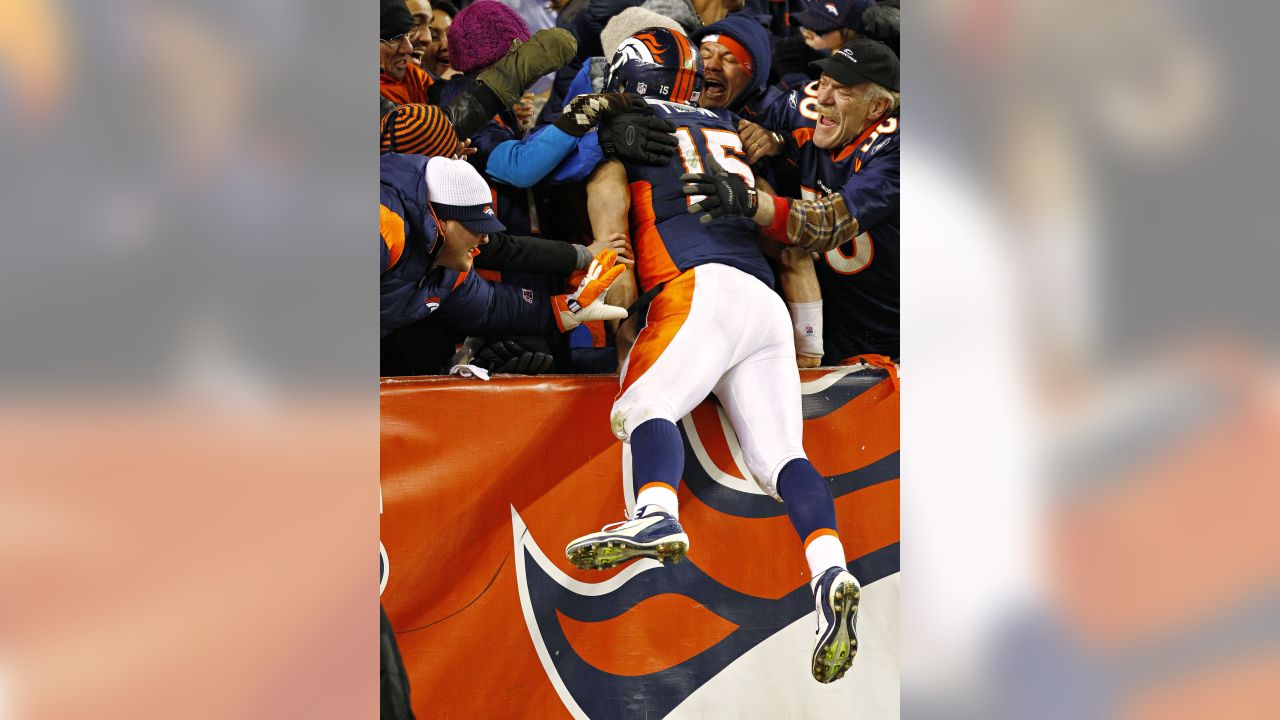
(657, 63)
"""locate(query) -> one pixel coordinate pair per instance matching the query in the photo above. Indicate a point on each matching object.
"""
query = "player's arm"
(799, 279)
(608, 206)
(608, 200)
(813, 225)
(804, 302)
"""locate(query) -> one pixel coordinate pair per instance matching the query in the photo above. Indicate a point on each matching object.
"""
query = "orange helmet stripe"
(684, 79)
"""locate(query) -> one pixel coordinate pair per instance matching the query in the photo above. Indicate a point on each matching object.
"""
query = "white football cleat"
(657, 535)
(836, 599)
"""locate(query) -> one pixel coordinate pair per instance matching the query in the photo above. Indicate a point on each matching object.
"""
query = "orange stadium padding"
(483, 485)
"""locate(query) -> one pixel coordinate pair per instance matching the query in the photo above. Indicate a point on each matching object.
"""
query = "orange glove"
(587, 302)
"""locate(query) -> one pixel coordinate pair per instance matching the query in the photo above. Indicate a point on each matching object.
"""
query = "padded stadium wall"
(483, 485)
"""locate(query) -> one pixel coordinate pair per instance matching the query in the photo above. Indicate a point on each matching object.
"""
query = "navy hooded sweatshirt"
(413, 287)
(749, 33)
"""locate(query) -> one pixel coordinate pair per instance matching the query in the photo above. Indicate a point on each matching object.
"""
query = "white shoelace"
(620, 523)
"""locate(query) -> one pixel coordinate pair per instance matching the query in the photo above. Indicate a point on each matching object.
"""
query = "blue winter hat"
(823, 16)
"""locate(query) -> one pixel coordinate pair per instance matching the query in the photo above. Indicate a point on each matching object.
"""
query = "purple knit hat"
(482, 33)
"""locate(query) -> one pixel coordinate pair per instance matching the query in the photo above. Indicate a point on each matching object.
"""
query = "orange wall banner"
(485, 483)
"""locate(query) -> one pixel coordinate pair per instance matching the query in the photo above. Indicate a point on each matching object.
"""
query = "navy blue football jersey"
(790, 110)
(667, 239)
(859, 279)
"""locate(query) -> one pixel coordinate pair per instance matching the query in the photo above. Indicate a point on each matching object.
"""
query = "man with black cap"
(844, 304)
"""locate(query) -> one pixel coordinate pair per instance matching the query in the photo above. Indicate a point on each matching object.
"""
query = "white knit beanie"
(458, 192)
(628, 23)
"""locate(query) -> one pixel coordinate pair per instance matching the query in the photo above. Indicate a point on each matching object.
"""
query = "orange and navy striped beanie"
(419, 130)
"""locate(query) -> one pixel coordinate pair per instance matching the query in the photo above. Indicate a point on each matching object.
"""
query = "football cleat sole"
(834, 653)
(605, 554)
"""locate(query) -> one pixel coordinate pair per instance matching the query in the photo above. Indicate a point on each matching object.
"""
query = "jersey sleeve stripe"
(653, 262)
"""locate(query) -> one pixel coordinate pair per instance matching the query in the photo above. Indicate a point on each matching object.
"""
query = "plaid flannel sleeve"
(822, 224)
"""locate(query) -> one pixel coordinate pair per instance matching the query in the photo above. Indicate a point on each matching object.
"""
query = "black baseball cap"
(859, 61)
(394, 19)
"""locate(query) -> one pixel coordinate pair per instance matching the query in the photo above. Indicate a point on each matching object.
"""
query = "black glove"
(632, 137)
(509, 356)
(471, 108)
(725, 194)
(586, 111)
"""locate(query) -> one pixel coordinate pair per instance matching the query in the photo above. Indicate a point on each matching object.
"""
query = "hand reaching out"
(587, 302)
(616, 242)
(524, 111)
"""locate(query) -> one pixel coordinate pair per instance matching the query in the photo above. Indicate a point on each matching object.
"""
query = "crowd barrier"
(483, 485)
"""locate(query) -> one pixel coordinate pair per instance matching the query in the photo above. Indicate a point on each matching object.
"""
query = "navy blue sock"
(808, 499)
(657, 454)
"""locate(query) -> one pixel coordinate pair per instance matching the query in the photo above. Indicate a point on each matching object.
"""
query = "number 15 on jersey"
(723, 145)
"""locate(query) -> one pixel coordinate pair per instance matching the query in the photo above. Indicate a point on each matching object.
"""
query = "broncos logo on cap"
(658, 58)
(745, 578)
(831, 8)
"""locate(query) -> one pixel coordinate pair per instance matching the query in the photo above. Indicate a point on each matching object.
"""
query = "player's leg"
(657, 462)
(672, 366)
(653, 530)
(761, 396)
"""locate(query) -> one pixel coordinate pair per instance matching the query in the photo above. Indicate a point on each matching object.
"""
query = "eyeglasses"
(395, 41)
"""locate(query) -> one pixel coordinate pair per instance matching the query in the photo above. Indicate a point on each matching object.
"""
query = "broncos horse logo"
(663, 51)
(641, 641)
(490, 624)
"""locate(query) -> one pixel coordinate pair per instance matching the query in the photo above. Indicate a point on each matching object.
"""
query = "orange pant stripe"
(819, 533)
(667, 314)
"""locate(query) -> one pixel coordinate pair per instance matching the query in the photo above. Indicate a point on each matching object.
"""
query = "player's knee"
(766, 469)
(627, 416)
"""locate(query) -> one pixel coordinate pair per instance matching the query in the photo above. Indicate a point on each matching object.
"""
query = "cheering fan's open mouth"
(713, 89)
